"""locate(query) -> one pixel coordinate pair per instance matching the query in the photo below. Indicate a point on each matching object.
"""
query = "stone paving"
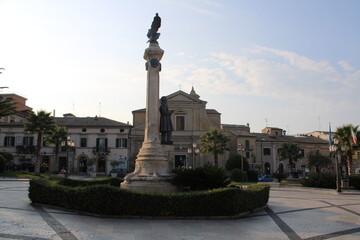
(292, 214)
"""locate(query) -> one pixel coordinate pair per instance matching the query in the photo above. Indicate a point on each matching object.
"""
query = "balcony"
(22, 149)
(101, 150)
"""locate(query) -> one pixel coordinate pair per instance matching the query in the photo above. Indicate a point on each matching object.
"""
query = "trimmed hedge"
(320, 180)
(84, 183)
(2, 163)
(354, 181)
(109, 200)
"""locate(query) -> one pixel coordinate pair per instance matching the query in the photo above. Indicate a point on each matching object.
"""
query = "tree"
(235, 162)
(291, 152)
(343, 136)
(7, 156)
(7, 107)
(56, 136)
(41, 124)
(316, 159)
(214, 141)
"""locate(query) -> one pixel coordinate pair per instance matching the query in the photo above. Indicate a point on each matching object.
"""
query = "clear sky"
(280, 63)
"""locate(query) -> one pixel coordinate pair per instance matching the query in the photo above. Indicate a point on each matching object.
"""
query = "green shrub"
(235, 162)
(7, 156)
(279, 176)
(252, 176)
(109, 200)
(202, 178)
(2, 163)
(354, 181)
(237, 175)
(320, 180)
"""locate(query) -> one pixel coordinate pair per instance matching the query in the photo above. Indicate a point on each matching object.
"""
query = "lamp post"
(332, 149)
(193, 150)
(241, 149)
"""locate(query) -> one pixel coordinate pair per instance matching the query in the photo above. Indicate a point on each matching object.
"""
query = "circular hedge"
(105, 199)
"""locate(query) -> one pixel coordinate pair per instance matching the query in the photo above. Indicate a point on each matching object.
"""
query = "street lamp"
(193, 150)
(332, 149)
(241, 149)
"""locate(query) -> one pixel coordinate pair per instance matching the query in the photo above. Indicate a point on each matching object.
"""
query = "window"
(247, 144)
(121, 143)
(247, 155)
(28, 141)
(9, 142)
(101, 144)
(180, 123)
(83, 142)
(267, 151)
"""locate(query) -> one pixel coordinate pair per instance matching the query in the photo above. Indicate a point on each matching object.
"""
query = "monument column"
(151, 166)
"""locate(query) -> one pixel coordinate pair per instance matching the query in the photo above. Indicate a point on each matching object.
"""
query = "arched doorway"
(45, 163)
(83, 164)
(267, 168)
(101, 165)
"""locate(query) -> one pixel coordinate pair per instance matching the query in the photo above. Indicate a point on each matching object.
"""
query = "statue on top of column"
(153, 35)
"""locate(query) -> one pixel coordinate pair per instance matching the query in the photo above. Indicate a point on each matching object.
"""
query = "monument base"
(150, 186)
(169, 153)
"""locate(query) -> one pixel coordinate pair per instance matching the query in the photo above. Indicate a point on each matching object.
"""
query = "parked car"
(266, 178)
(29, 166)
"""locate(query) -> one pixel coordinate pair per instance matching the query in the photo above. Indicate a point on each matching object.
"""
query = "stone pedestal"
(151, 172)
(169, 153)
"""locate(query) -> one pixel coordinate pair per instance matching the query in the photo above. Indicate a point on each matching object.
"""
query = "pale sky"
(279, 63)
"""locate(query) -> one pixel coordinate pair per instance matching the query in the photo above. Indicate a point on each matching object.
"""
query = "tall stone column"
(151, 172)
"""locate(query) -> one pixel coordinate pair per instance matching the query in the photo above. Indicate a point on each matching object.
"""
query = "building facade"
(190, 120)
(262, 149)
(95, 138)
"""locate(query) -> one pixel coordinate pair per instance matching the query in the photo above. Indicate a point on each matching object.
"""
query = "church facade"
(190, 120)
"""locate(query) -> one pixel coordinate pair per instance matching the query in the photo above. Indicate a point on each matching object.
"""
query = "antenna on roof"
(73, 106)
(99, 109)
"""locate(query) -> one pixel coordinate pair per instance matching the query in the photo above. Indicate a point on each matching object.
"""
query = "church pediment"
(181, 96)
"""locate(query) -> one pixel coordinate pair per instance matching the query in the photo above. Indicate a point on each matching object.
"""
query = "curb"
(318, 190)
(14, 179)
(233, 217)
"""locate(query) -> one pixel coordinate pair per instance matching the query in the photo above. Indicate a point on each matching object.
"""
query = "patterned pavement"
(295, 214)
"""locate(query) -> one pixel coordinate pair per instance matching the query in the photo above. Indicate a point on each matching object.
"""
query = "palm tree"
(7, 107)
(57, 135)
(214, 141)
(41, 124)
(318, 160)
(291, 152)
(343, 136)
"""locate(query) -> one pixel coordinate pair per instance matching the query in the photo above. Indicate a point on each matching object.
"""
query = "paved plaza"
(291, 214)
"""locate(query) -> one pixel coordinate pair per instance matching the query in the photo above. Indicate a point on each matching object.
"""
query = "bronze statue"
(166, 127)
(153, 35)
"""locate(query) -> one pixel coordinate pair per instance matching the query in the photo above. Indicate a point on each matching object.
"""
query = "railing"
(101, 150)
(21, 149)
